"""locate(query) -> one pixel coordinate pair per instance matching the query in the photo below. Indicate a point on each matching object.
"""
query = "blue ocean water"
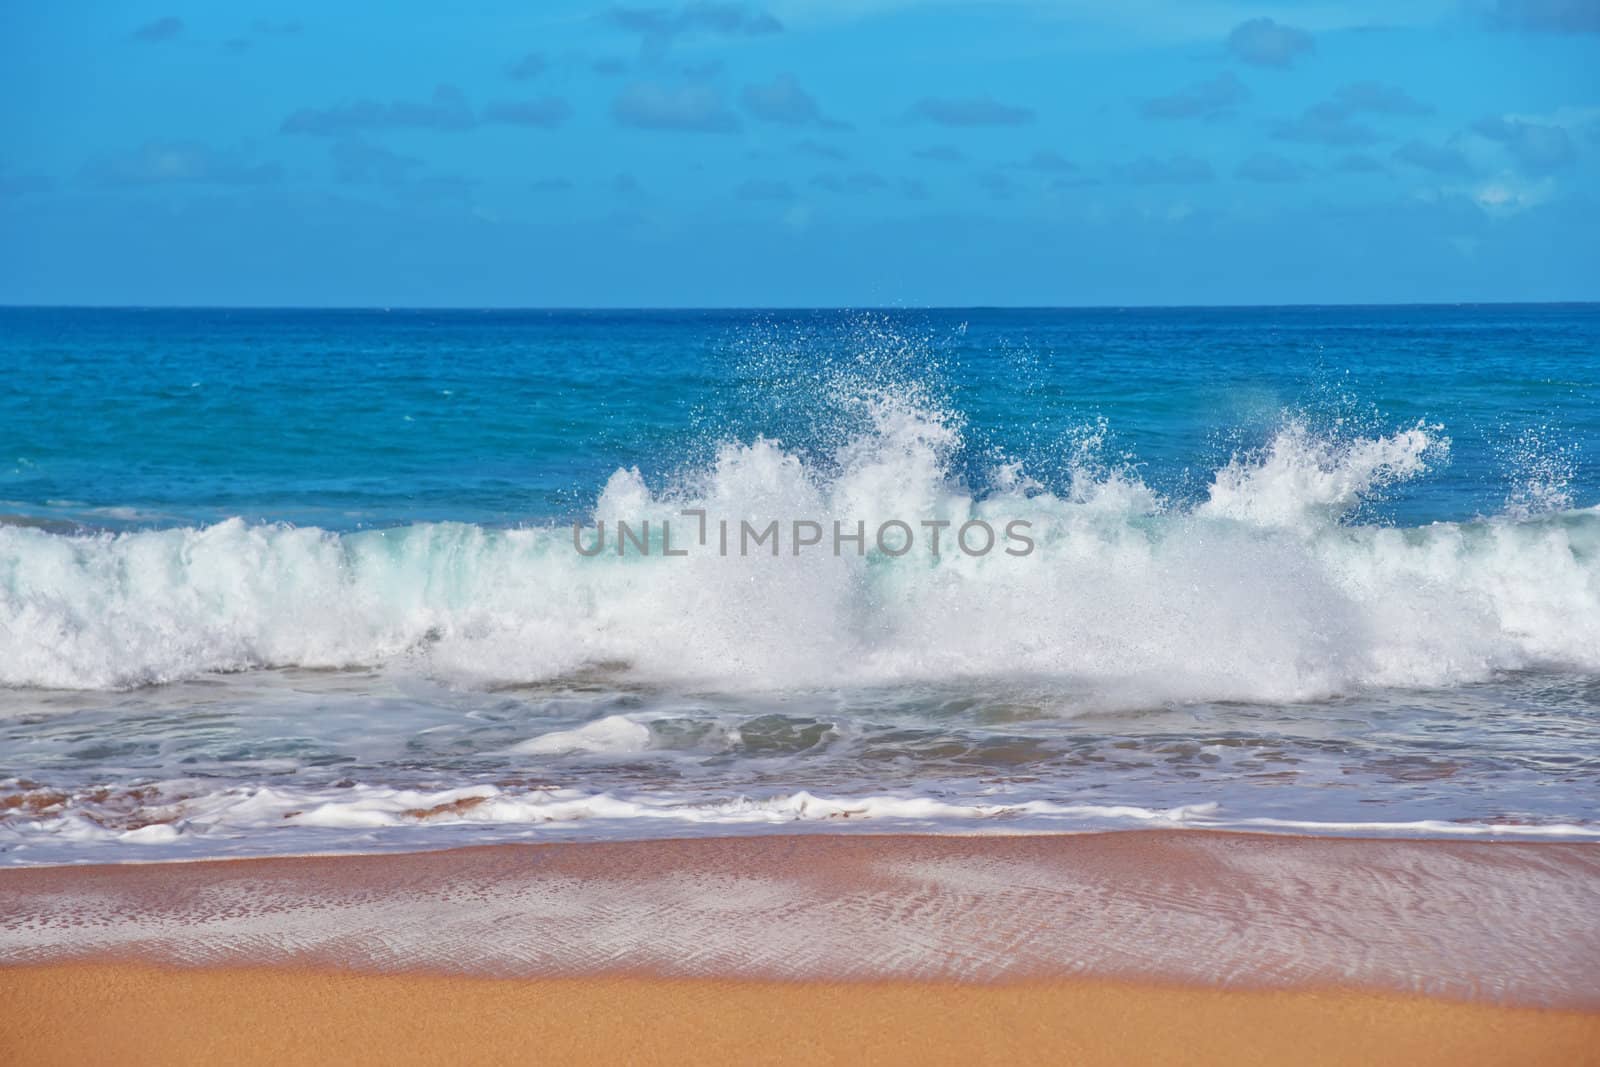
(349, 419)
(275, 580)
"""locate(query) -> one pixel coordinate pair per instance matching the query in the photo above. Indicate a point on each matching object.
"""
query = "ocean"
(278, 581)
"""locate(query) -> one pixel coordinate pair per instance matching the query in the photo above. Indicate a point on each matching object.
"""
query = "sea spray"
(1259, 592)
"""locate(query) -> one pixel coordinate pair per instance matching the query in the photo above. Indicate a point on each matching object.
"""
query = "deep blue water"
(348, 419)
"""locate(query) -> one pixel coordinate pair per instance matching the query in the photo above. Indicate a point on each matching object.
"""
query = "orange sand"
(1145, 947)
(129, 1015)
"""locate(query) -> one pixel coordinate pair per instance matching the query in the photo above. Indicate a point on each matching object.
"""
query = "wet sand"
(1159, 946)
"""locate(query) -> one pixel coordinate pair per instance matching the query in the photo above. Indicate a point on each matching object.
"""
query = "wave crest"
(1259, 592)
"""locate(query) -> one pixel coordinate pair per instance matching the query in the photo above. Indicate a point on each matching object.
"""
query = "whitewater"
(1259, 593)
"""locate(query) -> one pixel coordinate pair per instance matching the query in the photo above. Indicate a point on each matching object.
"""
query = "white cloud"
(1171, 21)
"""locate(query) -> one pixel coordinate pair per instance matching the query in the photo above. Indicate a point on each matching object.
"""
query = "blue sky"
(799, 152)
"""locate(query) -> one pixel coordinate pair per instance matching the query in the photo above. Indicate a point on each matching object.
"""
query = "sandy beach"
(1182, 947)
(134, 1014)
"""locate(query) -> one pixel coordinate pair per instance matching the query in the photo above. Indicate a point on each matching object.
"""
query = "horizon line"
(756, 308)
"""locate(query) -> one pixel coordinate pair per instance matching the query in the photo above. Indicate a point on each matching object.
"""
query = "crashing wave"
(1261, 591)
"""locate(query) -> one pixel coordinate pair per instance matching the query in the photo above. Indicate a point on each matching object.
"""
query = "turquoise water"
(349, 419)
(276, 580)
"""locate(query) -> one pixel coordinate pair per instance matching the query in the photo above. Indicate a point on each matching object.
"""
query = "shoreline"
(1150, 946)
(1135, 946)
(1378, 833)
(1510, 923)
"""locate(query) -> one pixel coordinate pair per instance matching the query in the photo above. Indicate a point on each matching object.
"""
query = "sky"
(799, 153)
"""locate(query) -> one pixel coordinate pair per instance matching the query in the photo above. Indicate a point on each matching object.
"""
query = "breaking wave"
(1267, 589)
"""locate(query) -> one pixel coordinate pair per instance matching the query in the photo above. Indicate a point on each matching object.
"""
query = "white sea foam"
(249, 810)
(285, 819)
(1261, 592)
(613, 734)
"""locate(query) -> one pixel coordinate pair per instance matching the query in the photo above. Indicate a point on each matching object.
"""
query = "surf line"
(892, 537)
